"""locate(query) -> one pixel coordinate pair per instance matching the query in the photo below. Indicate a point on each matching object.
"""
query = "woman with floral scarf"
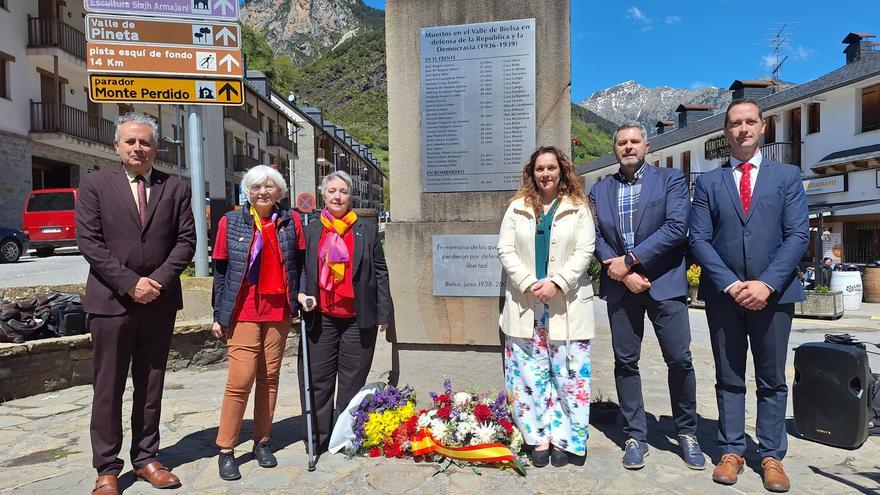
(346, 300)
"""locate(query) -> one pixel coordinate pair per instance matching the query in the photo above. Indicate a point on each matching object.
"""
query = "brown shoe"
(158, 475)
(775, 479)
(106, 484)
(727, 470)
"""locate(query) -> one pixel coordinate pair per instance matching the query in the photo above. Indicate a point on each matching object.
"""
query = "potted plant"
(821, 302)
(603, 409)
(693, 279)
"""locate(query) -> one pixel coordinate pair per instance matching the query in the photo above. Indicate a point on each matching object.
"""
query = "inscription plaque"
(467, 265)
(477, 105)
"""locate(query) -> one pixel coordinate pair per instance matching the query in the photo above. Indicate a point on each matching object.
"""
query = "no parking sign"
(305, 202)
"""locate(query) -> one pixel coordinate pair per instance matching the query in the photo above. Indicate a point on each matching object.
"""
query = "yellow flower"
(381, 425)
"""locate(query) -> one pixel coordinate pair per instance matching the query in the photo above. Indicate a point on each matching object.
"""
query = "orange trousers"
(255, 352)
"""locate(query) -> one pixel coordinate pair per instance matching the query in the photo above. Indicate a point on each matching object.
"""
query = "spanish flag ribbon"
(423, 444)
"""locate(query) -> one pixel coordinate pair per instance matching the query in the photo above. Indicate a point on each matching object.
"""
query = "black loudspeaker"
(832, 394)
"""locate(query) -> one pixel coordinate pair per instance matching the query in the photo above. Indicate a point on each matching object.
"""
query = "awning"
(817, 208)
(852, 159)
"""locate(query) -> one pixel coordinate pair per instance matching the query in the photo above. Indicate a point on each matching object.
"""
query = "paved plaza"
(44, 439)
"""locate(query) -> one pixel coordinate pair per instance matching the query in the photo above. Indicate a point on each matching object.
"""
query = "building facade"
(829, 127)
(51, 134)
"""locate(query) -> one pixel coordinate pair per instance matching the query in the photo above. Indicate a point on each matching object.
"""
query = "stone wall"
(15, 169)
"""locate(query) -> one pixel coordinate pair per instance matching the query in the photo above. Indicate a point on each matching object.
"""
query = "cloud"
(801, 53)
(672, 19)
(768, 62)
(699, 85)
(586, 34)
(637, 15)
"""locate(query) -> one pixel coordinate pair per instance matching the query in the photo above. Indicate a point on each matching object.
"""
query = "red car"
(48, 219)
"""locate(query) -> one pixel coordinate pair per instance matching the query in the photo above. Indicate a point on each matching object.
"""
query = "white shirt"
(756, 167)
(753, 178)
(132, 182)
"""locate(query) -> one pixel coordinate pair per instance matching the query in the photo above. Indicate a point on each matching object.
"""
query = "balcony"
(170, 154)
(280, 140)
(241, 163)
(54, 33)
(56, 117)
(236, 114)
(782, 152)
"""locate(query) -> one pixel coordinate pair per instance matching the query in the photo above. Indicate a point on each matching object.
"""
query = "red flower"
(507, 425)
(442, 400)
(393, 449)
(375, 452)
(482, 412)
(444, 412)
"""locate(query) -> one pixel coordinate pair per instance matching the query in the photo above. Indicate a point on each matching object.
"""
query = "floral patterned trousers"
(550, 391)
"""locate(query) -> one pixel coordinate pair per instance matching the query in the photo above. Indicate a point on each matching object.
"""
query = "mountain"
(590, 135)
(632, 101)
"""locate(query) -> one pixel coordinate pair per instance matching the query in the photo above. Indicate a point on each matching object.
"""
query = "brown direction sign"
(163, 32)
(145, 89)
(137, 59)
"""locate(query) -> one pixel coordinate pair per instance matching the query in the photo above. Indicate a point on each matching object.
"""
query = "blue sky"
(690, 44)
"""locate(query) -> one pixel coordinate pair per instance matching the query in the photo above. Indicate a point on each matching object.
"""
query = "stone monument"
(473, 87)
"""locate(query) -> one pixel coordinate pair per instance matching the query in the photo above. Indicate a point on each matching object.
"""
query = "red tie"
(745, 186)
(142, 198)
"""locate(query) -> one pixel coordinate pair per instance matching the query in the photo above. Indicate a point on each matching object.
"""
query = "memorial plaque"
(477, 105)
(467, 265)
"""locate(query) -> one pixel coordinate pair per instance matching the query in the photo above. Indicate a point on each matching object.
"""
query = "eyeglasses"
(265, 187)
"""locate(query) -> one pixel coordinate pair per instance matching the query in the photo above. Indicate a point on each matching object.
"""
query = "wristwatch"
(629, 260)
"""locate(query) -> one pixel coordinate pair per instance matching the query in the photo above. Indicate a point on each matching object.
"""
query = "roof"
(694, 106)
(848, 74)
(753, 83)
(664, 123)
(853, 37)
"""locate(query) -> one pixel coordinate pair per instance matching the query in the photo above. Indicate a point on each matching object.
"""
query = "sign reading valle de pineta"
(477, 105)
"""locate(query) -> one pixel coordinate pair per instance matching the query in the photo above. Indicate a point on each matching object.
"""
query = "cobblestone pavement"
(44, 445)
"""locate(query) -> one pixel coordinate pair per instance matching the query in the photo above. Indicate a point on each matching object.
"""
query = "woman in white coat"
(545, 245)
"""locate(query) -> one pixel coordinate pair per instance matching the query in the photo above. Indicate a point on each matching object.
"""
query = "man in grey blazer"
(641, 235)
(749, 230)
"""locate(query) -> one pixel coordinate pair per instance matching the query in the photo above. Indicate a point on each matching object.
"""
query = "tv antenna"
(778, 41)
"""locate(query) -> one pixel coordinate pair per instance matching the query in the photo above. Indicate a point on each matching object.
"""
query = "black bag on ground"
(65, 315)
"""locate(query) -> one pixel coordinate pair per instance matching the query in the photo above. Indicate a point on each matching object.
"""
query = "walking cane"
(307, 382)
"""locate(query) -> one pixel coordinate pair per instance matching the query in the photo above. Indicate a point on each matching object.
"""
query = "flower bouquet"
(384, 423)
(472, 428)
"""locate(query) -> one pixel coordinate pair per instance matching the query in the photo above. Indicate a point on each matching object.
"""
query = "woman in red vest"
(345, 295)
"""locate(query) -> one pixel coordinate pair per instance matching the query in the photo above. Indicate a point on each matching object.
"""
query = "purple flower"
(447, 385)
(499, 407)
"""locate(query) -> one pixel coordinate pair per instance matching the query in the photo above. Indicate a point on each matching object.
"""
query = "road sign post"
(224, 10)
(136, 59)
(194, 33)
(144, 89)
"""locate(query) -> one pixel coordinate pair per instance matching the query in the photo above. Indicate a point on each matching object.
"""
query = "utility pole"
(197, 174)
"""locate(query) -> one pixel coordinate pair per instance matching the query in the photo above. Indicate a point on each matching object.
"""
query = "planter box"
(821, 305)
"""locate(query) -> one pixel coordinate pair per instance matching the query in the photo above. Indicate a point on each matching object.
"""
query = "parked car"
(12, 244)
(48, 219)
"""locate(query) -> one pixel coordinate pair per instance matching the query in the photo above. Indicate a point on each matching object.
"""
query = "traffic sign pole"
(197, 174)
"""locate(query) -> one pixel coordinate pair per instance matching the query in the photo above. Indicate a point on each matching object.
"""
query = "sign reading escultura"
(477, 105)
(224, 10)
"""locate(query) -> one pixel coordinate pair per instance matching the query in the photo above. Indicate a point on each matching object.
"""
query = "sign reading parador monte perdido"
(122, 89)
(121, 47)
(224, 10)
(477, 105)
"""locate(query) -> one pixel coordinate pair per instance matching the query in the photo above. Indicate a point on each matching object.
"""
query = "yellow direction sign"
(143, 89)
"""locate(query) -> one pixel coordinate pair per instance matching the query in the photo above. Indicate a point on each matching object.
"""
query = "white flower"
(425, 419)
(516, 440)
(438, 429)
(461, 400)
(483, 434)
(464, 429)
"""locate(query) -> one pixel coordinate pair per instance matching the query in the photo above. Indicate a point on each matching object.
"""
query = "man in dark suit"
(749, 229)
(641, 235)
(134, 225)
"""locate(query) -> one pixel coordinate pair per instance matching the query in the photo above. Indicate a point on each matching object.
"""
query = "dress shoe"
(263, 453)
(228, 468)
(558, 457)
(157, 475)
(775, 479)
(541, 458)
(634, 453)
(727, 470)
(106, 484)
(691, 452)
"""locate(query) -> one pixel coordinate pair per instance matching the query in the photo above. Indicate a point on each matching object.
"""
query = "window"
(686, 163)
(813, 118)
(656, 163)
(5, 69)
(871, 108)
(668, 162)
(770, 129)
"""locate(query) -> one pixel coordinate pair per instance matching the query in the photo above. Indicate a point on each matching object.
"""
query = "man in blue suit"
(749, 229)
(641, 236)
